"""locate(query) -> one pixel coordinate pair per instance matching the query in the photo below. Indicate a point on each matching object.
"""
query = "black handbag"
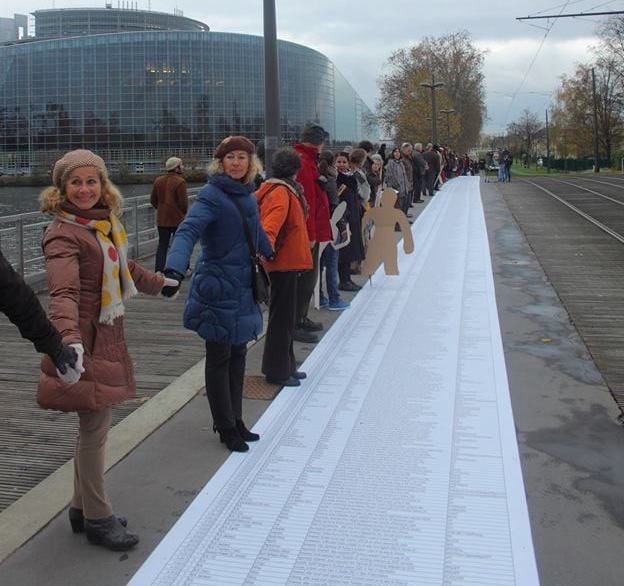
(260, 281)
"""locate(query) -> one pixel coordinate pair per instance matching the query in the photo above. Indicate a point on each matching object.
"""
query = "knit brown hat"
(73, 160)
(234, 143)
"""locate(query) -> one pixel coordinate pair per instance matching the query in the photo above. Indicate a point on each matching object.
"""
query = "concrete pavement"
(570, 445)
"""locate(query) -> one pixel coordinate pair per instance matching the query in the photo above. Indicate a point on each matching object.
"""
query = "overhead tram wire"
(573, 15)
(515, 94)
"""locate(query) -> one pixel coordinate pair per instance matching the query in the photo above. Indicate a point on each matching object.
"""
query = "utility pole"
(272, 134)
(433, 86)
(448, 122)
(547, 145)
(595, 101)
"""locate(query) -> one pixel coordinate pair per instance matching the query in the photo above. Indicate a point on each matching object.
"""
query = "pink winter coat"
(74, 264)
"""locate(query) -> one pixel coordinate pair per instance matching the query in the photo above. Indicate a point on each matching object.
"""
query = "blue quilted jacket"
(220, 305)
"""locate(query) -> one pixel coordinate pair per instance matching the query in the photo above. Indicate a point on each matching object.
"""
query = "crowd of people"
(305, 213)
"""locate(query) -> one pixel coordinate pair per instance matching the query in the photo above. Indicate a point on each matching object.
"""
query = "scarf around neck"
(117, 283)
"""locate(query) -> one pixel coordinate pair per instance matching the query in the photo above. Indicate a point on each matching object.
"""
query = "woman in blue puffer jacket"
(220, 305)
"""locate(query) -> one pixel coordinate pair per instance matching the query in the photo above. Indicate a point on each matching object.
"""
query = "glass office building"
(136, 96)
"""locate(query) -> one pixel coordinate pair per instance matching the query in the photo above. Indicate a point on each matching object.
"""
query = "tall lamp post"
(448, 113)
(595, 117)
(433, 86)
(272, 133)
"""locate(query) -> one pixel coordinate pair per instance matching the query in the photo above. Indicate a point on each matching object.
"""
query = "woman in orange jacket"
(283, 217)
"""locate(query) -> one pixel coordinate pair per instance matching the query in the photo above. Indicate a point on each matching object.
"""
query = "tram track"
(575, 227)
(602, 226)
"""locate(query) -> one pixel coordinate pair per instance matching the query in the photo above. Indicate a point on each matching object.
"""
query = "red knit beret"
(73, 160)
(234, 143)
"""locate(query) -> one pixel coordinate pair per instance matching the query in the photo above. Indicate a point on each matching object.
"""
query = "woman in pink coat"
(89, 277)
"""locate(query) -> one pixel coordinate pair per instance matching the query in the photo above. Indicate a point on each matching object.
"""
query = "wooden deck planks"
(34, 442)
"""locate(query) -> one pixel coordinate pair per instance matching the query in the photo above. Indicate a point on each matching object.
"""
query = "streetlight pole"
(595, 101)
(547, 144)
(272, 133)
(433, 86)
(448, 122)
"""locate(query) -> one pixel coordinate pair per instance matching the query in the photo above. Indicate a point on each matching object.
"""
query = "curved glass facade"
(70, 22)
(152, 93)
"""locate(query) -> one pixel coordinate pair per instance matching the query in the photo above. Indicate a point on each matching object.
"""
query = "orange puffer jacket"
(281, 213)
(74, 264)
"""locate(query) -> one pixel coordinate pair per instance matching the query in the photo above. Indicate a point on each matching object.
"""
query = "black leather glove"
(64, 357)
(168, 290)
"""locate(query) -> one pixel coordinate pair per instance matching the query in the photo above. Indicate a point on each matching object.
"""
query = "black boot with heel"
(246, 435)
(110, 533)
(232, 439)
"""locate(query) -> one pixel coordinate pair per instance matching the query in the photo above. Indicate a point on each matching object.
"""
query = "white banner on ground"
(396, 461)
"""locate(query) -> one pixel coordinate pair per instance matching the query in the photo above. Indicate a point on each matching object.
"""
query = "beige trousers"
(89, 492)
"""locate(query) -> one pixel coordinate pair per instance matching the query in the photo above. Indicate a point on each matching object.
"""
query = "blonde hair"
(215, 167)
(52, 197)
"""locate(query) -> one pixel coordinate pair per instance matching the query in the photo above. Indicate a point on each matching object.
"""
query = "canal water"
(17, 200)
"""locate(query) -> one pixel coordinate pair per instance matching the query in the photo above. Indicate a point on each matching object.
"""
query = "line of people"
(307, 214)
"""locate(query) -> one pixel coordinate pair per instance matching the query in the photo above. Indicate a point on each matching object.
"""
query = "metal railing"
(21, 235)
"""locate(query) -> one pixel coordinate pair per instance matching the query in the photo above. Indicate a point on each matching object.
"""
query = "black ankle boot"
(232, 439)
(247, 435)
(76, 520)
(110, 533)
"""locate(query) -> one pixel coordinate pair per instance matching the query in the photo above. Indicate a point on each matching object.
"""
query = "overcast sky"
(360, 41)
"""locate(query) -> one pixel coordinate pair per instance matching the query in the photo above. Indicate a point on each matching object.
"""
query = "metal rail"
(21, 234)
(581, 213)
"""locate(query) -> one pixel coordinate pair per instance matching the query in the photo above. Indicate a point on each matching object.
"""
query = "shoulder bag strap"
(252, 248)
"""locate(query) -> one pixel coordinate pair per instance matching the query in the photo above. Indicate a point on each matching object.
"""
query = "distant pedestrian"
(420, 168)
(170, 199)
(395, 176)
(329, 257)
(408, 163)
(433, 161)
(313, 137)
(382, 152)
(348, 191)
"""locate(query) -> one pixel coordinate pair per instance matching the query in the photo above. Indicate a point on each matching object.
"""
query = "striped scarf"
(117, 283)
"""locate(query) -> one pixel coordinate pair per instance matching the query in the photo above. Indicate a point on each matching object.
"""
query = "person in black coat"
(20, 304)
(354, 251)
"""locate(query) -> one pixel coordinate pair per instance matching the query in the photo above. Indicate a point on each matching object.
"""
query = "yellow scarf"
(117, 283)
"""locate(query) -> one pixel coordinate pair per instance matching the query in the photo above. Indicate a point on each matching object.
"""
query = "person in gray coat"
(420, 166)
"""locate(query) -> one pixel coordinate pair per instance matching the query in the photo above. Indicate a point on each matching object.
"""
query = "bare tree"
(526, 130)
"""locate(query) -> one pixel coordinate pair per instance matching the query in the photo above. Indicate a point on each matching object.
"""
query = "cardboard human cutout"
(381, 247)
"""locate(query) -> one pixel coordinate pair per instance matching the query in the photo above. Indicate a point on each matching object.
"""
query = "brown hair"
(357, 157)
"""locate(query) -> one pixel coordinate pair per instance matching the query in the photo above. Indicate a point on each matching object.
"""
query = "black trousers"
(430, 179)
(225, 375)
(418, 186)
(165, 236)
(344, 272)
(305, 285)
(278, 360)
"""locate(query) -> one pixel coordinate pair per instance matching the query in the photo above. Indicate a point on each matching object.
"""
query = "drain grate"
(256, 387)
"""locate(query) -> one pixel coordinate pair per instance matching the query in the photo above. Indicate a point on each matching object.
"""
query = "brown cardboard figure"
(382, 243)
